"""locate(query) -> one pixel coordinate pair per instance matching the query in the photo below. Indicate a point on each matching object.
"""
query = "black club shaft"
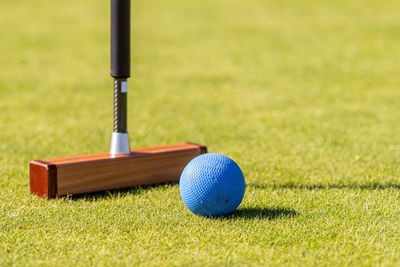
(120, 38)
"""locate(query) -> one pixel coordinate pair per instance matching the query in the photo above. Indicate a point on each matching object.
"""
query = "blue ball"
(211, 185)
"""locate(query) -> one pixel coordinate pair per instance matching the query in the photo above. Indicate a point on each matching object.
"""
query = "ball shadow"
(266, 213)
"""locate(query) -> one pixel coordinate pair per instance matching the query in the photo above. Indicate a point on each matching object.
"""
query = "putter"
(121, 167)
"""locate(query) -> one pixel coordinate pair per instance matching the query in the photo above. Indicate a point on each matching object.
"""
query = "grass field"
(303, 95)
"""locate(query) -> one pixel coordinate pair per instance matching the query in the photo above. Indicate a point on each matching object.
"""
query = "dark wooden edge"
(43, 179)
(203, 148)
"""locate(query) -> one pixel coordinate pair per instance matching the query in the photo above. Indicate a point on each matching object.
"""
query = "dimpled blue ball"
(211, 185)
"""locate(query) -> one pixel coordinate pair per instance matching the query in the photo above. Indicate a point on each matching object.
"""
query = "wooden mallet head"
(98, 172)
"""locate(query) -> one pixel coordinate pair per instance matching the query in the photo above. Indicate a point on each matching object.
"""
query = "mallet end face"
(99, 172)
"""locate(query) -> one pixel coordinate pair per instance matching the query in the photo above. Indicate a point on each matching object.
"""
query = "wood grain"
(97, 172)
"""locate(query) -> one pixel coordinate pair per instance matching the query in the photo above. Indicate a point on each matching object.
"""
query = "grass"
(303, 95)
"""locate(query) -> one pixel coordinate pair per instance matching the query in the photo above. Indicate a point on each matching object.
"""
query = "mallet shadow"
(118, 192)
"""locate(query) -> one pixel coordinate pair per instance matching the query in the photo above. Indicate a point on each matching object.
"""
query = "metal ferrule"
(120, 144)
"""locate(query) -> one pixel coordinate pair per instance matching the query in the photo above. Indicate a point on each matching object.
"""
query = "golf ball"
(211, 185)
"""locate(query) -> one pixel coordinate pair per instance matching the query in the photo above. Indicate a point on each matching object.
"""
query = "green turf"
(303, 95)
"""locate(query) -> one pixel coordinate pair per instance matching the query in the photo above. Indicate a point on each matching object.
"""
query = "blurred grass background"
(304, 95)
